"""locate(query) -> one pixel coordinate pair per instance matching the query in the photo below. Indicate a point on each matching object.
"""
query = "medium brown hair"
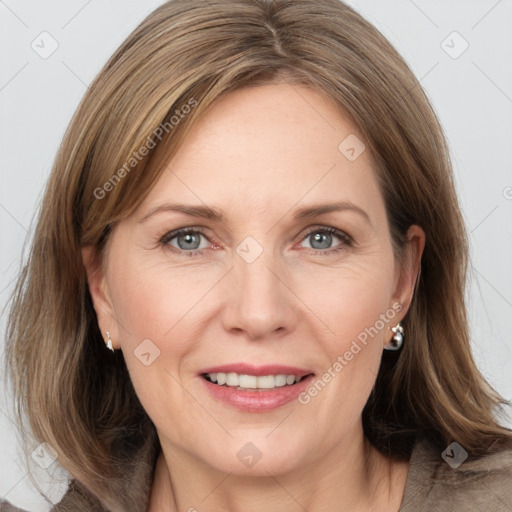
(78, 397)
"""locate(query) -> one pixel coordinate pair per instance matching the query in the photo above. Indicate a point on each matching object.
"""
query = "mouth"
(255, 389)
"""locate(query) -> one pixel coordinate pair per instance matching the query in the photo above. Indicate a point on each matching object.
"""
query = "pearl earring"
(109, 342)
(397, 339)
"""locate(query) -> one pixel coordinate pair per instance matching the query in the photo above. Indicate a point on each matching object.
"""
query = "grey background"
(472, 95)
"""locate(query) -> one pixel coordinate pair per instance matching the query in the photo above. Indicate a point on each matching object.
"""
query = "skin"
(258, 155)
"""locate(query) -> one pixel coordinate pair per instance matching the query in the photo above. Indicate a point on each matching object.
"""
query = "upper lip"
(250, 369)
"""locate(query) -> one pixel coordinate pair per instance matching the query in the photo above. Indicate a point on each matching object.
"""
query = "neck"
(352, 477)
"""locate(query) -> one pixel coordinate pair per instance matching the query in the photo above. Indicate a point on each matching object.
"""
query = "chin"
(254, 455)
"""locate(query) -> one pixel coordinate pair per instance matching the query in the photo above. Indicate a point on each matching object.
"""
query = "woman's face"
(273, 283)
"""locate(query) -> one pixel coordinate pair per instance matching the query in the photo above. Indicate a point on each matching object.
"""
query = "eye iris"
(189, 238)
(326, 238)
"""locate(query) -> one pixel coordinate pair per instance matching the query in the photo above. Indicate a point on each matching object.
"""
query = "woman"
(224, 308)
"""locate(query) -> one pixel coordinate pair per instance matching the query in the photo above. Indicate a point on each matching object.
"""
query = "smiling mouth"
(244, 382)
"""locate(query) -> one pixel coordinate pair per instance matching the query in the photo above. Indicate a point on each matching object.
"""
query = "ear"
(98, 289)
(408, 273)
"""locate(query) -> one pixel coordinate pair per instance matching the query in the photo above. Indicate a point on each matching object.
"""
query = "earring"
(109, 342)
(397, 339)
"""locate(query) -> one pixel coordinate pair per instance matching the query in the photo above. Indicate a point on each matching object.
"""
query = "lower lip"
(257, 401)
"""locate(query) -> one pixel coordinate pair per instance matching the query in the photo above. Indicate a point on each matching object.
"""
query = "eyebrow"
(215, 214)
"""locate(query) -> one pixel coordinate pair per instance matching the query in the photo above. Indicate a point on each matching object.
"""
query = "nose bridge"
(254, 273)
(260, 303)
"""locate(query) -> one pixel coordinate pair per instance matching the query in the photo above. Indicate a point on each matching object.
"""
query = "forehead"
(264, 148)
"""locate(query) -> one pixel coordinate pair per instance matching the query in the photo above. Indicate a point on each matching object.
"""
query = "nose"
(260, 303)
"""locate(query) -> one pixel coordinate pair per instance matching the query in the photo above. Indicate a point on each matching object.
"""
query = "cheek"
(361, 304)
(152, 301)
(354, 303)
(351, 355)
(151, 306)
(351, 299)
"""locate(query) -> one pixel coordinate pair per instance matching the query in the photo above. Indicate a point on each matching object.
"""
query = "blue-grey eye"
(322, 238)
(186, 240)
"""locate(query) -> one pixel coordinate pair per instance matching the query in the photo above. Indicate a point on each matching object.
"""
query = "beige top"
(482, 485)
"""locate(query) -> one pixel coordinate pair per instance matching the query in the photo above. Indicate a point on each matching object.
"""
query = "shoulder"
(132, 489)
(451, 480)
(75, 500)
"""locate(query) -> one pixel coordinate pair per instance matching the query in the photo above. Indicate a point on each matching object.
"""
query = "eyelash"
(346, 240)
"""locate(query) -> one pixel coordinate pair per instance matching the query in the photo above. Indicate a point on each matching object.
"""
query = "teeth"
(243, 381)
(248, 381)
(281, 380)
(232, 379)
(270, 381)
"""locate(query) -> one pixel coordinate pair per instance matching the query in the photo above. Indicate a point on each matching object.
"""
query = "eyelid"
(169, 235)
(321, 227)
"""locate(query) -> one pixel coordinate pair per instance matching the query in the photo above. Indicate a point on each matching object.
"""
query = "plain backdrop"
(460, 50)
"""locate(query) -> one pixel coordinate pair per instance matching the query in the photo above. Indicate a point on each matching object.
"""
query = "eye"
(321, 239)
(185, 240)
(188, 240)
